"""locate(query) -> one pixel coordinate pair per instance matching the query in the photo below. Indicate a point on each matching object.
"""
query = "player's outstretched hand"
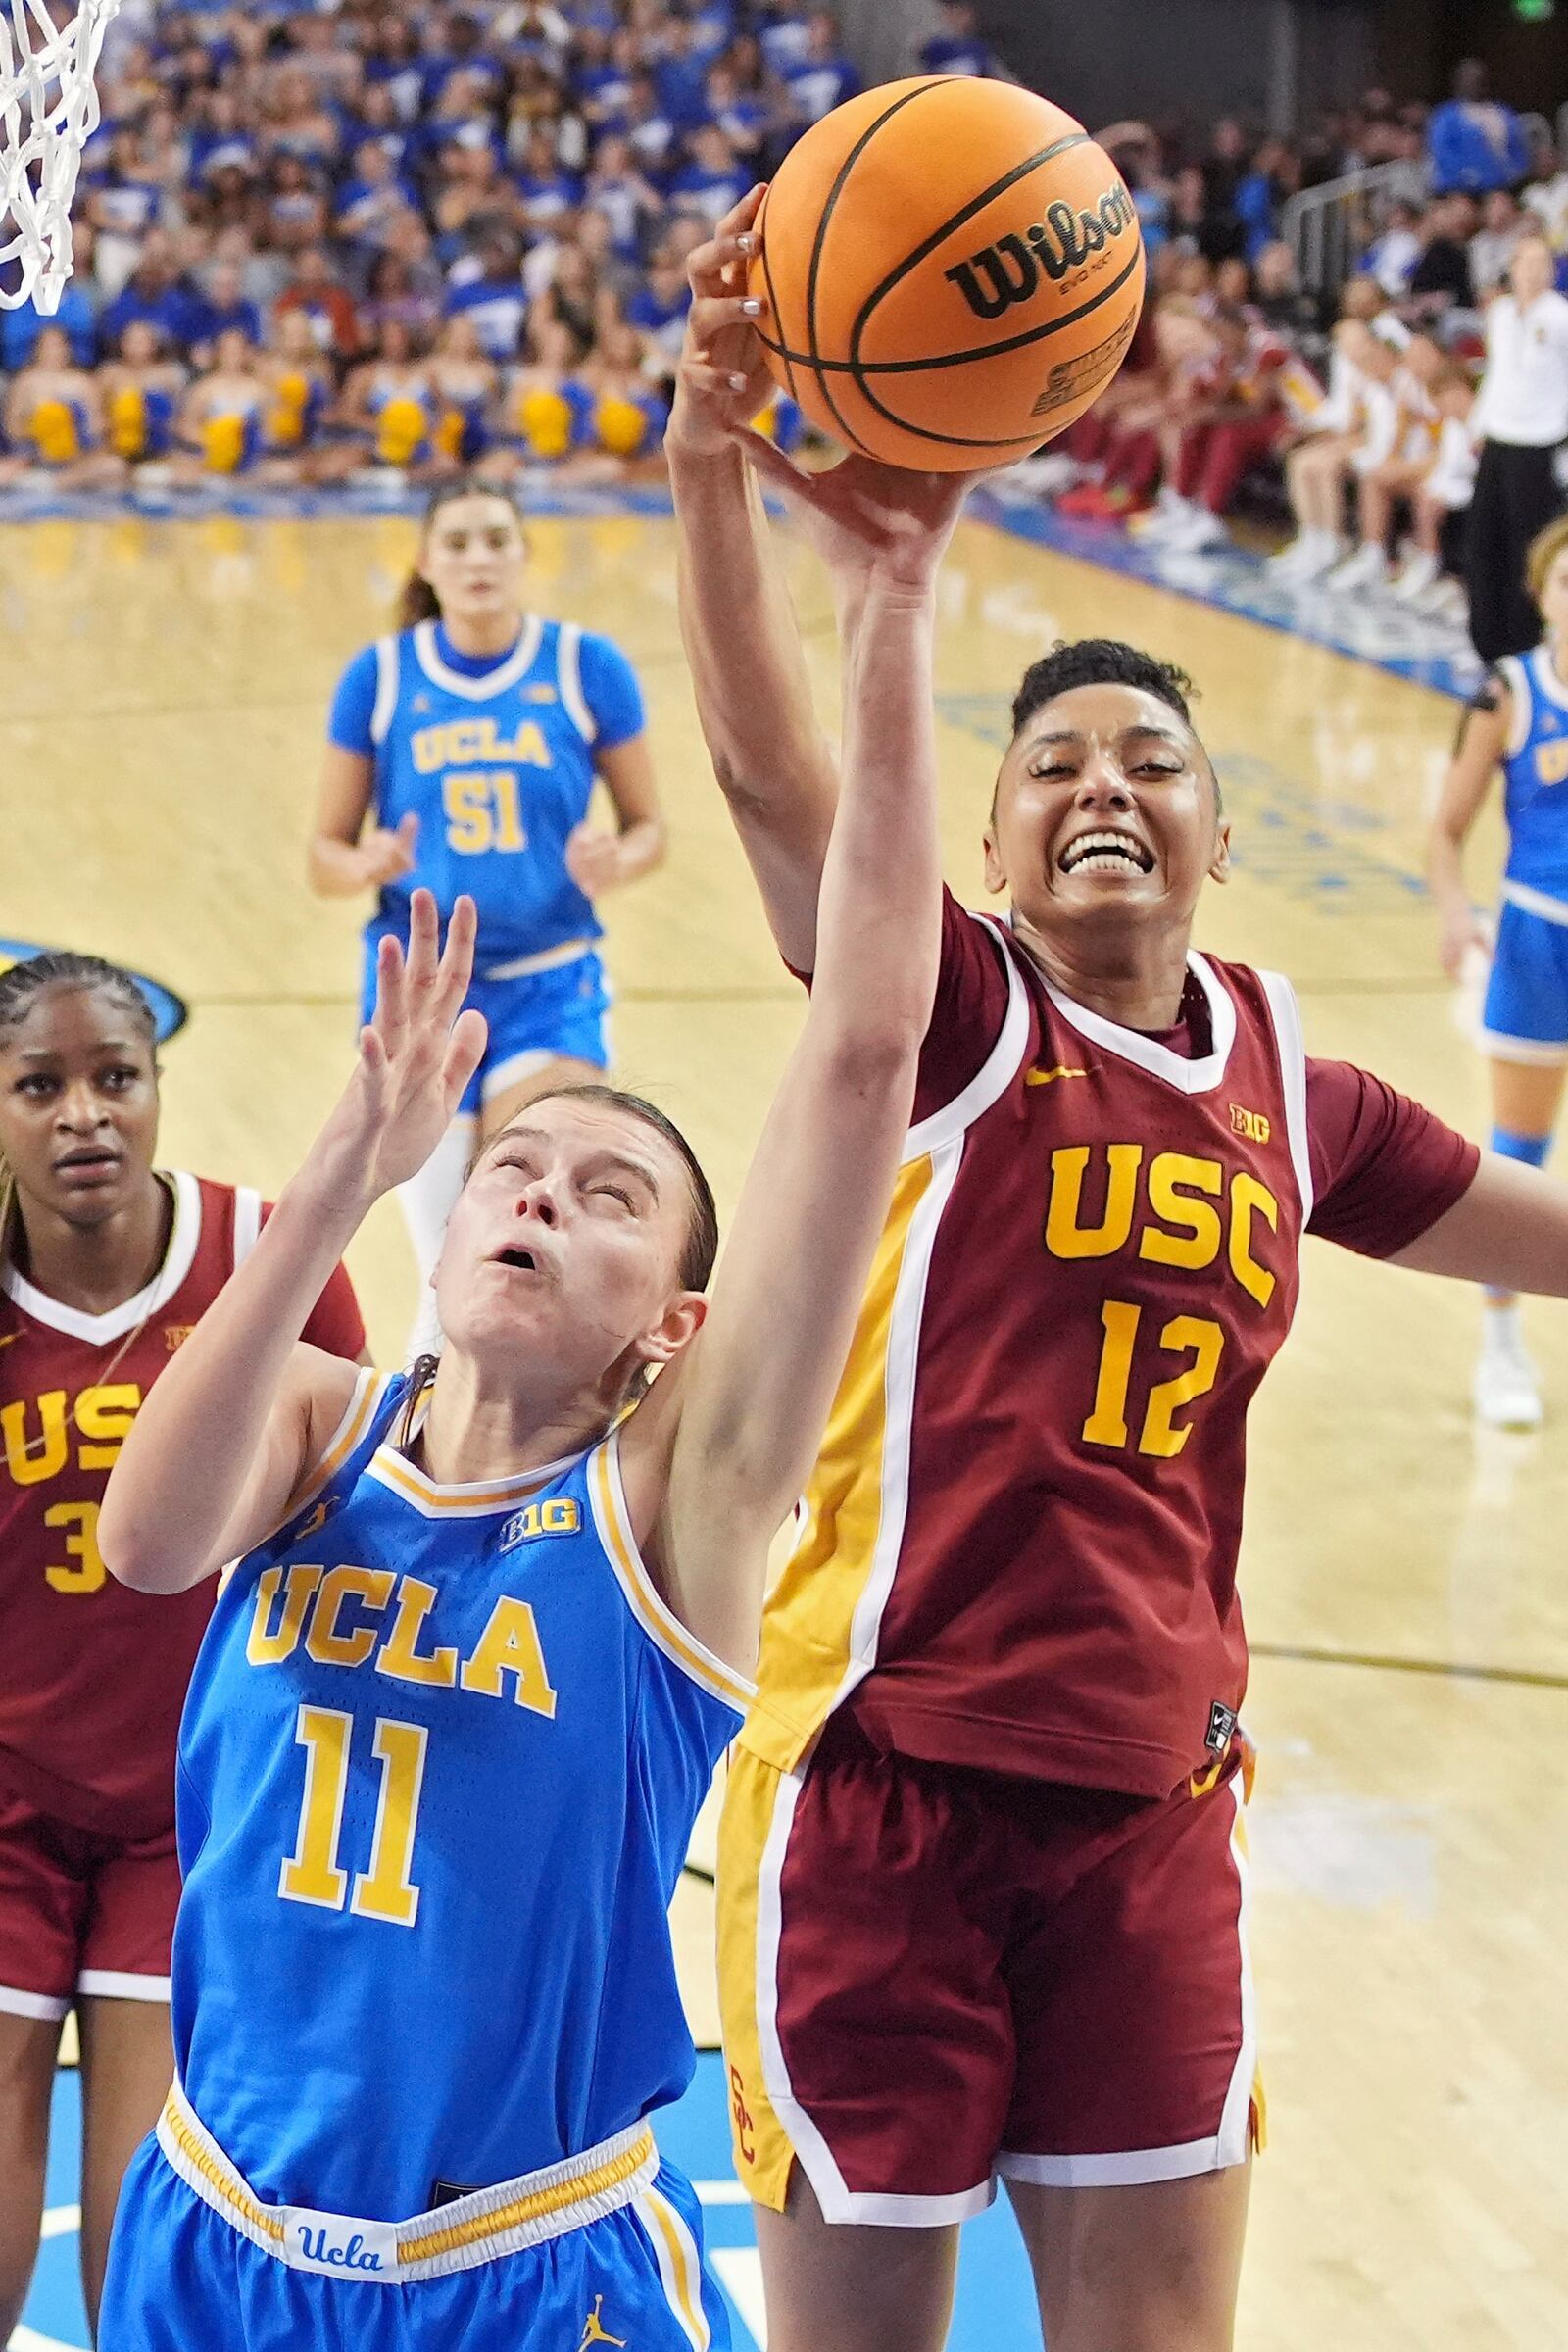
(417, 1053)
(864, 518)
(1465, 939)
(724, 379)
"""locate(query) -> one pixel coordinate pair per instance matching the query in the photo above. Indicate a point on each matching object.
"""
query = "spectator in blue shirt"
(1475, 146)
(957, 48)
(371, 200)
(493, 297)
(681, 76)
(629, 202)
(546, 190)
(745, 116)
(781, 28)
(658, 309)
(825, 77)
(222, 307)
(153, 292)
(77, 314)
(712, 184)
(649, 129)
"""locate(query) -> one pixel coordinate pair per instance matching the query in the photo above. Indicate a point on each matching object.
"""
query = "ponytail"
(418, 600)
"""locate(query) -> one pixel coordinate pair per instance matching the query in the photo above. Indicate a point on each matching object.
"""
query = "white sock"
(426, 1201)
(1501, 1327)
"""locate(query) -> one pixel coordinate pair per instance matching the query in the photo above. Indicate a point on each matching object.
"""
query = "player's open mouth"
(523, 1261)
(1107, 852)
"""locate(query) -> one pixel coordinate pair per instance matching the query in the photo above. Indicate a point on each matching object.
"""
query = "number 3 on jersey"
(1193, 1336)
(483, 810)
(311, 1874)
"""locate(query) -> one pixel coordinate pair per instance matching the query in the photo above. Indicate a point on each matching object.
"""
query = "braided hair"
(20, 986)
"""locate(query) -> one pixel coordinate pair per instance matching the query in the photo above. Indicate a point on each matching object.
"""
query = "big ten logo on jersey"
(1173, 1210)
(353, 1617)
(43, 1436)
(1552, 761)
(559, 1516)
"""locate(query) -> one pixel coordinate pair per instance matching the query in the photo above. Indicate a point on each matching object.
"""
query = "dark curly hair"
(1104, 661)
(1099, 661)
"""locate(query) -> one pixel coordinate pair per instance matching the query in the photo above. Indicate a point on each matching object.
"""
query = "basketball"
(953, 269)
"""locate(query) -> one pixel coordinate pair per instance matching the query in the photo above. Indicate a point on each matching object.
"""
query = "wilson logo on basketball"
(1010, 270)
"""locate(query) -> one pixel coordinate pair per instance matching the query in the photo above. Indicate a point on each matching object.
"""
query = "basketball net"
(48, 110)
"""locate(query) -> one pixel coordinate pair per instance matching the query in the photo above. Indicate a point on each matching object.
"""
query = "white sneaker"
(1320, 553)
(1507, 1392)
(1196, 534)
(1445, 600)
(1416, 578)
(1368, 567)
(1169, 513)
(1291, 559)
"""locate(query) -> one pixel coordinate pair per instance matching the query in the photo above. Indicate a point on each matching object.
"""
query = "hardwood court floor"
(164, 703)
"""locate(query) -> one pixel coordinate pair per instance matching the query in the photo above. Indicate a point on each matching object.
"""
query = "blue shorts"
(181, 2275)
(559, 1016)
(1525, 1016)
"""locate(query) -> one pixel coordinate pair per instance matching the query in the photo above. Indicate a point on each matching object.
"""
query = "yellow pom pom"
(55, 435)
(128, 421)
(402, 428)
(621, 426)
(546, 421)
(224, 444)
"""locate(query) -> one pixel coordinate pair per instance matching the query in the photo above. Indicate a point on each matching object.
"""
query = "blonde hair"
(1545, 549)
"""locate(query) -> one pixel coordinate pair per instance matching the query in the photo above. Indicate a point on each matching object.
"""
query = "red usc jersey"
(1022, 1531)
(95, 1675)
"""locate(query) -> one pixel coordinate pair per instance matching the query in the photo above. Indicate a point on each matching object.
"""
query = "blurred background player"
(105, 1263)
(462, 757)
(1518, 723)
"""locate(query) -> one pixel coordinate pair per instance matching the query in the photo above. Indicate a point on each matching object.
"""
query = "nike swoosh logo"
(1046, 1077)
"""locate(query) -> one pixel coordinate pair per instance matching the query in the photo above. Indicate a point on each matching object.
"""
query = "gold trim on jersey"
(820, 1626)
(647, 1603)
(472, 2229)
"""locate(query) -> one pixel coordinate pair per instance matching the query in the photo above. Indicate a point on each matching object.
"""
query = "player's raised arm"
(772, 760)
(755, 1397)
(218, 1449)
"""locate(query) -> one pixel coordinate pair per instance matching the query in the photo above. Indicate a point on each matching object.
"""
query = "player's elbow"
(130, 1558)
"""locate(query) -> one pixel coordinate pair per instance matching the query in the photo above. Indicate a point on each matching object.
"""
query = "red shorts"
(932, 1977)
(81, 1913)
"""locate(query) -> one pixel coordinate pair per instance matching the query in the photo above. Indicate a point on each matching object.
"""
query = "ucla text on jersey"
(499, 769)
(439, 1767)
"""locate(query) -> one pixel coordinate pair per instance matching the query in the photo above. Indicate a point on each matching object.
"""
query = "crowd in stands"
(1240, 393)
(314, 240)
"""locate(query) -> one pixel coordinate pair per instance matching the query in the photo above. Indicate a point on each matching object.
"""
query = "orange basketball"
(952, 271)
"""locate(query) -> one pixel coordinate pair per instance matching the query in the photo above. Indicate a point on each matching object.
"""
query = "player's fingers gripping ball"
(952, 271)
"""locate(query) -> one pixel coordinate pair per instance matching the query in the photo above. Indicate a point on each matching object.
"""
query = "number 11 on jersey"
(312, 1874)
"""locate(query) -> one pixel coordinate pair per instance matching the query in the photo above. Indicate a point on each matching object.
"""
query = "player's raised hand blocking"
(723, 379)
(418, 1052)
(865, 517)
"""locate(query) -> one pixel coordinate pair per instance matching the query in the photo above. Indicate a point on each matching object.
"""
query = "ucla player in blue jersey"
(1518, 722)
(462, 758)
(490, 1630)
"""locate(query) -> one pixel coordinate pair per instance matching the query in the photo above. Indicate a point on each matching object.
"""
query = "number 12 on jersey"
(1192, 1335)
(312, 1874)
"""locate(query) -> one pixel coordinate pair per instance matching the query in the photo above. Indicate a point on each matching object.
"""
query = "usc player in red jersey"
(983, 1902)
(104, 1265)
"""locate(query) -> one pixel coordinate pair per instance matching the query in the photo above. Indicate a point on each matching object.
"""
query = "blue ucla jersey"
(439, 1767)
(497, 763)
(1535, 773)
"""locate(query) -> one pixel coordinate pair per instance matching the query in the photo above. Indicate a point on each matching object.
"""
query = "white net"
(48, 109)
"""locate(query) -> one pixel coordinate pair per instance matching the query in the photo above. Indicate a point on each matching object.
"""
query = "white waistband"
(459, 2236)
(1535, 901)
(548, 959)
